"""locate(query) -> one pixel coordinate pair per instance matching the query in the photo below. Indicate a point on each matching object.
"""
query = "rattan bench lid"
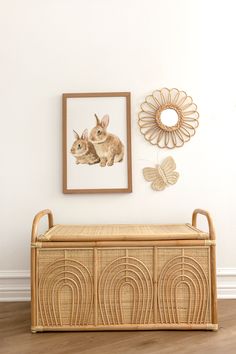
(122, 232)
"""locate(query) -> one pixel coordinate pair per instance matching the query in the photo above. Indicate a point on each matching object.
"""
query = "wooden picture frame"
(96, 143)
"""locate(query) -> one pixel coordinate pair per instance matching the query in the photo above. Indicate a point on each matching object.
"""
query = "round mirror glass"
(169, 117)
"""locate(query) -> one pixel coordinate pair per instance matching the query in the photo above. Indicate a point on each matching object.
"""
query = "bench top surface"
(122, 232)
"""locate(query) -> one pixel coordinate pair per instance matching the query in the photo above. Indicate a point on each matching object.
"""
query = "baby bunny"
(108, 146)
(83, 150)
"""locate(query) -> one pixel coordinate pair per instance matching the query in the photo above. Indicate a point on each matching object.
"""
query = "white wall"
(53, 46)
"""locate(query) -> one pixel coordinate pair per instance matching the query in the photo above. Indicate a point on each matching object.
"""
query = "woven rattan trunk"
(121, 277)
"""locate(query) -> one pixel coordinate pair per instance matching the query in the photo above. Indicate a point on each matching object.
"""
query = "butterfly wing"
(167, 167)
(173, 178)
(150, 174)
(158, 184)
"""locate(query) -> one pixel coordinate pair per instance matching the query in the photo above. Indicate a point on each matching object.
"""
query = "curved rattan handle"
(36, 222)
(209, 220)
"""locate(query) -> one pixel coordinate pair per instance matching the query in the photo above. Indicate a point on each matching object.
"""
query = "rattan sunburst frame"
(152, 127)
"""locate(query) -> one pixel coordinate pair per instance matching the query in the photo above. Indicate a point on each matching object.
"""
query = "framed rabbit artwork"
(96, 143)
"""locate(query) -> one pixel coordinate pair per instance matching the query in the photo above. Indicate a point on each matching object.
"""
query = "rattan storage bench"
(123, 277)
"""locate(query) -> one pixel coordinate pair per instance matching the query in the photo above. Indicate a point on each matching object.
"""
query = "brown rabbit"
(83, 150)
(108, 146)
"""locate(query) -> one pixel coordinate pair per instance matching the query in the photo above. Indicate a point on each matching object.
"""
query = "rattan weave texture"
(121, 232)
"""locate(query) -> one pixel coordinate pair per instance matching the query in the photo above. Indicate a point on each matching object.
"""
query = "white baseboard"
(15, 285)
(226, 283)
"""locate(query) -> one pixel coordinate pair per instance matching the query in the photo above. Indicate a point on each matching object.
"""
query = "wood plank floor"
(16, 338)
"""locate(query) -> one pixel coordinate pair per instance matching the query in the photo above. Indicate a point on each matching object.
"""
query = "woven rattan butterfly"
(162, 175)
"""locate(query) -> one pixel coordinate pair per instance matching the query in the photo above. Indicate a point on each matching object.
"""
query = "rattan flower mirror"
(168, 118)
